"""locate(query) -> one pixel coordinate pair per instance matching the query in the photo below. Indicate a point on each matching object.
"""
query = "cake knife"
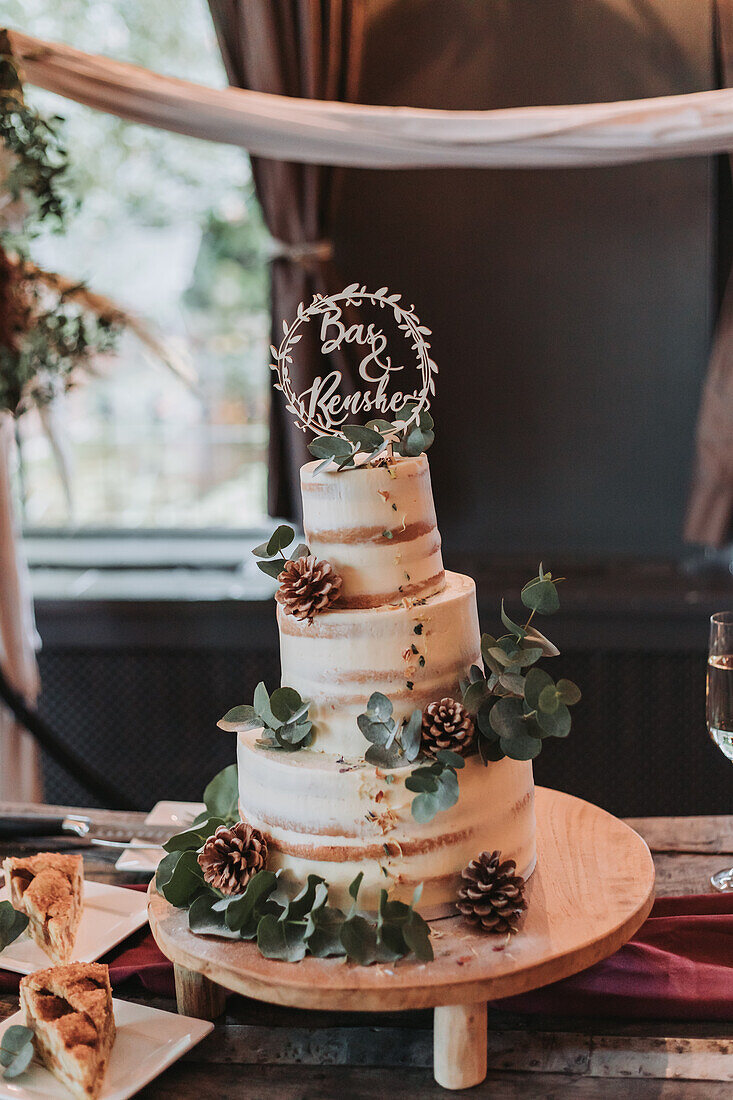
(19, 826)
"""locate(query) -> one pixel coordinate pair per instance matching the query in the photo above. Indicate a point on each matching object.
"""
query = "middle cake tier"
(413, 652)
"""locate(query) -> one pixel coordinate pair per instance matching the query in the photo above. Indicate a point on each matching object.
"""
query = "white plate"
(110, 915)
(179, 815)
(148, 1041)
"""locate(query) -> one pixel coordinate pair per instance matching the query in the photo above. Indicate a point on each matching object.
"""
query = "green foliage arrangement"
(515, 709)
(48, 326)
(272, 551)
(375, 439)
(391, 745)
(12, 923)
(284, 928)
(436, 784)
(283, 715)
(16, 1051)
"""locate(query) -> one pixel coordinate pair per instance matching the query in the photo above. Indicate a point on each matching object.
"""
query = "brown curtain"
(709, 517)
(311, 49)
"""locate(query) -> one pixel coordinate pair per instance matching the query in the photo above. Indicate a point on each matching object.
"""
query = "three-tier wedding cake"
(404, 627)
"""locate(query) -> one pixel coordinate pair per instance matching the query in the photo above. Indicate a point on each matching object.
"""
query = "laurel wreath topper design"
(321, 407)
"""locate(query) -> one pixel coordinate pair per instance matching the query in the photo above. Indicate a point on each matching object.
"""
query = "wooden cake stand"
(592, 889)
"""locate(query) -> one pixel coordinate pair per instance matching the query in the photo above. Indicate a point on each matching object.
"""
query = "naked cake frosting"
(408, 629)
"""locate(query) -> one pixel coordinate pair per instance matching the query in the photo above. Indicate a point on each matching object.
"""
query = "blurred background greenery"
(170, 229)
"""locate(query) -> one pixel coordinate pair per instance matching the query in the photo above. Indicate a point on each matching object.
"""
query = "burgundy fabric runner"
(679, 965)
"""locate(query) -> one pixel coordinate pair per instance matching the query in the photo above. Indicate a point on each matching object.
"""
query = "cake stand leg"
(197, 995)
(459, 1045)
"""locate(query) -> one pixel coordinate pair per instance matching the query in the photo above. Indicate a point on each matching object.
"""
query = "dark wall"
(571, 308)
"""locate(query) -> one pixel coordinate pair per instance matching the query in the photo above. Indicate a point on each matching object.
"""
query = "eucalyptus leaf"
(535, 682)
(165, 870)
(195, 837)
(424, 807)
(513, 628)
(417, 937)
(16, 1051)
(528, 655)
(300, 551)
(281, 939)
(243, 911)
(569, 692)
(294, 735)
(185, 882)
(309, 897)
(536, 638)
(475, 696)
(329, 446)
(483, 719)
(378, 733)
(507, 718)
(284, 703)
(450, 759)
(521, 746)
(323, 932)
(548, 700)
(359, 940)
(12, 924)
(261, 700)
(512, 681)
(541, 596)
(384, 756)
(380, 426)
(490, 750)
(204, 920)
(422, 780)
(239, 719)
(280, 539)
(272, 568)
(556, 724)
(411, 737)
(221, 795)
(379, 706)
(366, 438)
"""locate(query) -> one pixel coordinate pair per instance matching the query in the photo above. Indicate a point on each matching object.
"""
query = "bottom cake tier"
(326, 816)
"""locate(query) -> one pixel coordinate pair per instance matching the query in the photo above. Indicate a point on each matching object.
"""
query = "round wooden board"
(592, 889)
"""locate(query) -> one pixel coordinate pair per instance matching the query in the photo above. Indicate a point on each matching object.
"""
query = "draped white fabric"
(20, 776)
(388, 137)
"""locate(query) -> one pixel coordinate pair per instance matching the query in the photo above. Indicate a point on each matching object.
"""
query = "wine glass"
(720, 703)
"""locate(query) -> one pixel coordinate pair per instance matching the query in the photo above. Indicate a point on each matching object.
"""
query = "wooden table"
(262, 1051)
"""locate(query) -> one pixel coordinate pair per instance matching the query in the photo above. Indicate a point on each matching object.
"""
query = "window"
(169, 228)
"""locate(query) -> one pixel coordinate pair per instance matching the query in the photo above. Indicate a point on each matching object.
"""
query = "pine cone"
(447, 725)
(307, 586)
(232, 856)
(493, 896)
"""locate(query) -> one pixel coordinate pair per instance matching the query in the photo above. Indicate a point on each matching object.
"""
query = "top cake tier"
(377, 528)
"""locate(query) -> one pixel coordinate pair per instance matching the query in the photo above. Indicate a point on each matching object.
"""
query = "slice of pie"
(69, 1009)
(48, 888)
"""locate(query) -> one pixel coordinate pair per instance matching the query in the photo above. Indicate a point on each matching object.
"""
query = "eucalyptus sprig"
(375, 438)
(16, 1051)
(391, 745)
(283, 717)
(12, 923)
(514, 709)
(280, 539)
(436, 785)
(290, 928)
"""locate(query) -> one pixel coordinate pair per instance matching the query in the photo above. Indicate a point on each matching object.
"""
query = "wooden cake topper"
(322, 408)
